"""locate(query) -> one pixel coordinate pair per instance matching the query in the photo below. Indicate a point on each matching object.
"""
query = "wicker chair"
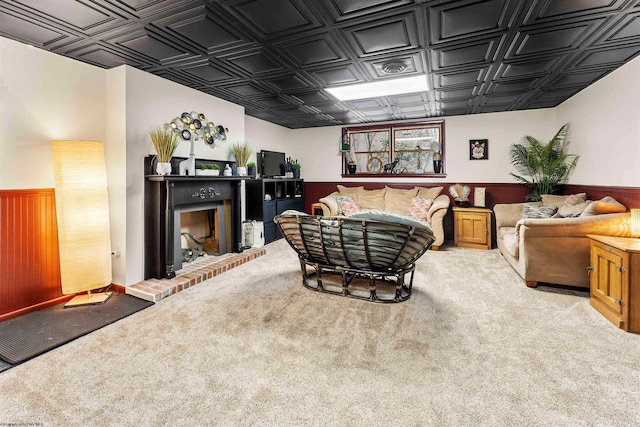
(358, 258)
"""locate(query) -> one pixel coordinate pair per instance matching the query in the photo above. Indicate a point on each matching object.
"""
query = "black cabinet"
(268, 197)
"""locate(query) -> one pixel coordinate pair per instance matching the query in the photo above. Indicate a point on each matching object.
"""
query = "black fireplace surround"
(164, 196)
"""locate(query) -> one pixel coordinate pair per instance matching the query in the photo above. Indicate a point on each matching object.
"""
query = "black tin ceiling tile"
(209, 73)
(271, 18)
(446, 79)
(472, 54)
(314, 51)
(70, 12)
(454, 20)
(613, 56)
(281, 54)
(338, 75)
(392, 34)
(206, 32)
(255, 63)
(32, 33)
(342, 10)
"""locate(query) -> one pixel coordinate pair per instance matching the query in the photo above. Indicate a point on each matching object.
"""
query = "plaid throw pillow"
(538, 211)
(419, 208)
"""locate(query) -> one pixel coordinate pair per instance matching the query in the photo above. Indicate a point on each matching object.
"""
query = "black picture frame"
(478, 149)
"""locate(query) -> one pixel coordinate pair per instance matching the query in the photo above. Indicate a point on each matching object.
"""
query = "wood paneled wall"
(495, 193)
(29, 257)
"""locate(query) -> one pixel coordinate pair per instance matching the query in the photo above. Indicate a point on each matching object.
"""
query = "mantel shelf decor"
(193, 127)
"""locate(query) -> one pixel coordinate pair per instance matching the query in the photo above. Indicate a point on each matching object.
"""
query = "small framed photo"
(478, 149)
(478, 197)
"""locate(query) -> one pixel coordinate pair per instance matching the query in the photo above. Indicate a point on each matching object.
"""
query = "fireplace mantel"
(168, 194)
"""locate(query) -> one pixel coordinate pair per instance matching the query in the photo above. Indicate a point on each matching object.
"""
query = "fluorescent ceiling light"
(381, 88)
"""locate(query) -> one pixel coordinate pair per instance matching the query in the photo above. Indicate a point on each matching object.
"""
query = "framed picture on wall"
(478, 149)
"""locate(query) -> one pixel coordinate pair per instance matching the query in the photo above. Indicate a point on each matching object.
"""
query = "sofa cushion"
(428, 192)
(332, 203)
(350, 191)
(398, 200)
(538, 211)
(378, 215)
(603, 206)
(419, 208)
(503, 231)
(348, 206)
(557, 200)
(372, 199)
(510, 241)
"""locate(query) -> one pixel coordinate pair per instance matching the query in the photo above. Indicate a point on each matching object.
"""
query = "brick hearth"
(193, 273)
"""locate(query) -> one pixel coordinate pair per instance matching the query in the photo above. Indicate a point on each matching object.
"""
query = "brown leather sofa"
(553, 250)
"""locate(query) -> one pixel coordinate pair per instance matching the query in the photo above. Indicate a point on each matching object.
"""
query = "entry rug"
(32, 334)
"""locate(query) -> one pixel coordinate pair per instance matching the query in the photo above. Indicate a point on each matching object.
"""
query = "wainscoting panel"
(29, 258)
(495, 194)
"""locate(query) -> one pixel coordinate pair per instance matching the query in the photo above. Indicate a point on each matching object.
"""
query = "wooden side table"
(472, 227)
(615, 280)
(316, 209)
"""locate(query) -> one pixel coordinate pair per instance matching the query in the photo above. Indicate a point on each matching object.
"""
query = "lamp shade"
(635, 222)
(82, 211)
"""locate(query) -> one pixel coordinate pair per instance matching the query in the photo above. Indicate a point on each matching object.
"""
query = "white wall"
(317, 148)
(44, 97)
(605, 129)
(261, 135)
(152, 101)
(115, 150)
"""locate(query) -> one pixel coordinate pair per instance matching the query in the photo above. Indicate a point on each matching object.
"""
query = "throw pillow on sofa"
(350, 191)
(428, 192)
(419, 208)
(557, 200)
(538, 211)
(604, 206)
(347, 205)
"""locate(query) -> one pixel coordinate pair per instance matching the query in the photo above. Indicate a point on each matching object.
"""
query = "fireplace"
(168, 198)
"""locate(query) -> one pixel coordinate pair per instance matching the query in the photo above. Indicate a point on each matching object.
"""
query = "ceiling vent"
(394, 67)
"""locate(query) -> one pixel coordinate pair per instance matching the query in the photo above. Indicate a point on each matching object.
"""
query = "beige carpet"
(473, 346)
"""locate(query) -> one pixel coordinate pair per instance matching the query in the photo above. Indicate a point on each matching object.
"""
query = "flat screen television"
(270, 164)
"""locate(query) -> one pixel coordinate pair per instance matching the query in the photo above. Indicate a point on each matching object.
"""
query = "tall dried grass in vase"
(242, 152)
(165, 142)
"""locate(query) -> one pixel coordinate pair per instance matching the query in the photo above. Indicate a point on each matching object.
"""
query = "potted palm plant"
(241, 152)
(543, 168)
(165, 142)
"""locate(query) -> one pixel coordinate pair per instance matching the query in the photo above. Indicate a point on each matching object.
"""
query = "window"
(403, 148)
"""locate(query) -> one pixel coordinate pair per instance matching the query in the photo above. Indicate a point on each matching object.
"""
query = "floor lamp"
(82, 211)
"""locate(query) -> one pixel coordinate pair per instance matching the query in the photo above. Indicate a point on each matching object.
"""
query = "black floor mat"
(34, 333)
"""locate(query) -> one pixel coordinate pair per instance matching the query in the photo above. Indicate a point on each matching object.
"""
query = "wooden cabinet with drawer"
(472, 227)
(614, 280)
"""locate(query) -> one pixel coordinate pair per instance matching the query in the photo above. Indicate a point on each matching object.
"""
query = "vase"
(437, 166)
(251, 171)
(163, 168)
(352, 169)
(242, 170)
(296, 174)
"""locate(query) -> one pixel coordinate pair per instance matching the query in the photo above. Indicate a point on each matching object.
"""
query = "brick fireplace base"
(193, 273)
